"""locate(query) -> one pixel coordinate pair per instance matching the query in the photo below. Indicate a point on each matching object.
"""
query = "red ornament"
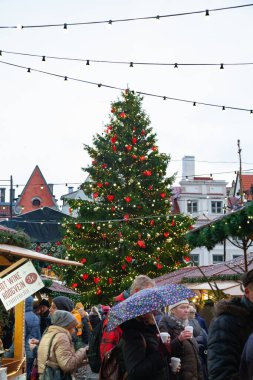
(141, 244)
(122, 115)
(127, 199)
(104, 166)
(191, 227)
(58, 243)
(95, 195)
(134, 156)
(96, 280)
(154, 148)
(152, 222)
(159, 266)
(99, 291)
(123, 267)
(128, 147)
(142, 158)
(78, 226)
(113, 208)
(147, 173)
(104, 236)
(114, 139)
(85, 276)
(99, 184)
(83, 260)
(93, 162)
(134, 129)
(114, 148)
(109, 128)
(113, 110)
(128, 259)
(110, 197)
(106, 183)
(143, 132)
(187, 259)
(173, 223)
(126, 217)
(70, 210)
(75, 285)
(134, 140)
(49, 266)
(166, 234)
(150, 187)
(110, 281)
(163, 195)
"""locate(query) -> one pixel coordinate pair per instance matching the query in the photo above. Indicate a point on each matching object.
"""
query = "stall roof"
(27, 253)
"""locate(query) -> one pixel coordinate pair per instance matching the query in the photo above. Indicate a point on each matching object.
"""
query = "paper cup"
(174, 362)
(189, 328)
(164, 336)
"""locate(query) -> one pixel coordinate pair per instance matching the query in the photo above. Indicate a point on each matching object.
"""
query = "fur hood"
(235, 307)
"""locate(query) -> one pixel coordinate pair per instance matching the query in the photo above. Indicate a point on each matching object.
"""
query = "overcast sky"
(45, 120)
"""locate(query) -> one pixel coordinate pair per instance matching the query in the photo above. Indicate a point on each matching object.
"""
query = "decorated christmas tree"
(127, 228)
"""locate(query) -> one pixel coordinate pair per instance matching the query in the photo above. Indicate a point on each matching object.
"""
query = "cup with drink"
(189, 329)
(165, 336)
(175, 364)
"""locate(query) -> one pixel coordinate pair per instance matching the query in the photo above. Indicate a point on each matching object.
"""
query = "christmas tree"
(127, 228)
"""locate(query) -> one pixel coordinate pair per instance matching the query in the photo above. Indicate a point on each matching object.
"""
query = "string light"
(123, 89)
(130, 64)
(157, 17)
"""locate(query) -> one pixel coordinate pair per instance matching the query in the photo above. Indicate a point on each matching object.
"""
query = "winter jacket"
(45, 321)
(32, 326)
(227, 336)
(94, 320)
(246, 367)
(144, 356)
(187, 350)
(62, 353)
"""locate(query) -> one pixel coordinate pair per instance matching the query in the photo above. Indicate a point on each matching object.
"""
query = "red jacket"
(109, 339)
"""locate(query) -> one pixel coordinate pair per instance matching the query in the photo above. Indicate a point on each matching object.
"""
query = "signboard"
(19, 284)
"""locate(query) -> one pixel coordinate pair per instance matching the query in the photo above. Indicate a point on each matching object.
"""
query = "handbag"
(34, 371)
(54, 373)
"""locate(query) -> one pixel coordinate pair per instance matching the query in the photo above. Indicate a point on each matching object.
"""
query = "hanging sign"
(19, 284)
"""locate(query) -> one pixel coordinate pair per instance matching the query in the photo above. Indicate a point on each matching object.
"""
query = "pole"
(11, 198)
(240, 171)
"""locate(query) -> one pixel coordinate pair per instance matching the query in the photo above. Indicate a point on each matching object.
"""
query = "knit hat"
(247, 278)
(79, 305)
(178, 303)
(63, 318)
(105, 309)
(63, 303)
(44, 302)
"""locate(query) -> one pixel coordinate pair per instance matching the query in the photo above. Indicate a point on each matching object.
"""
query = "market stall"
(12, 258)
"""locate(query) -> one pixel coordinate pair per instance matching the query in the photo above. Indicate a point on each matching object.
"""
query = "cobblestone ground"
(85, 373)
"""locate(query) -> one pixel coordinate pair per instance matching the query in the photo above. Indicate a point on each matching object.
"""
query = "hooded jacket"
(227, 336)
(32, 326)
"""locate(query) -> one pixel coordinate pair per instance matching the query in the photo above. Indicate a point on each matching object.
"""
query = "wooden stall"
(12, 257)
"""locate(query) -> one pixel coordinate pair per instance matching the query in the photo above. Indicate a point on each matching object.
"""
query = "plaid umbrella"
(146, 301)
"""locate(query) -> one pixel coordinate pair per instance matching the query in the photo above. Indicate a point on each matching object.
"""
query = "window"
(216, 207)
(195, 259)
(218, 259)
(192, 206)
(235, 256)
(36, 202)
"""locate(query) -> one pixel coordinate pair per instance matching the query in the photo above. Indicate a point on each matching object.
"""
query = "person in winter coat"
(144, 356)
(183, 345)
(85, 323)
(94, 317)
(229, 332)
(45, 319)
(246, 366)
(62, 353)
(32, 331)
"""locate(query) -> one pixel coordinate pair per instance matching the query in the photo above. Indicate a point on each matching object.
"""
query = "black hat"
(44, 302)
(63, 303)
(247, 278)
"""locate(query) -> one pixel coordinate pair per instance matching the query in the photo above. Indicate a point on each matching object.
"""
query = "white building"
(205, 199)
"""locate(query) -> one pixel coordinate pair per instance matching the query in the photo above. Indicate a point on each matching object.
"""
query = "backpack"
(110, 368)
(93, 354)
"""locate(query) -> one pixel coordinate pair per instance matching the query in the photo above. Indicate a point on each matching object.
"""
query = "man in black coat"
(229, 332)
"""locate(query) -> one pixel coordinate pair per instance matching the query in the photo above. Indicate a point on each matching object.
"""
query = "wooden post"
(19, 331)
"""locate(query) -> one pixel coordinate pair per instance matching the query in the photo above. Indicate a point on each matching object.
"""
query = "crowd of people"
(211, 343)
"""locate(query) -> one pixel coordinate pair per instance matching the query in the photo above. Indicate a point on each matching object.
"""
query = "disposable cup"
(164, 336)
(174, 362)
(189, 328)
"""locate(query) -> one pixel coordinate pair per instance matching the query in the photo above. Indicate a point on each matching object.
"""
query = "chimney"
(2, 194)
(51, 187)
(188, 169)
(70, 188)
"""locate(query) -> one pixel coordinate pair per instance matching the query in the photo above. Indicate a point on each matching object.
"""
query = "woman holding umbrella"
(183, 345)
